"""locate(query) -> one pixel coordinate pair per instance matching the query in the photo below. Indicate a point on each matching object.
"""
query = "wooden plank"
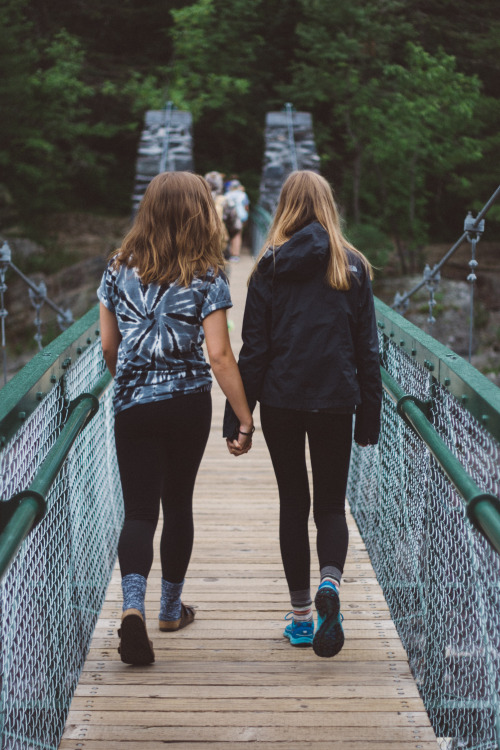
(349, 693)
(231, 628)
(300, 682)
(244, 733)
(231, 677)
(331, 744)
(302, 717)
(241, 655)
(249, 703)
(342, 670)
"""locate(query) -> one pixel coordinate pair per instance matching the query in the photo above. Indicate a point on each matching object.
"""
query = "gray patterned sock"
(170, 605)
(301, 605)
(330, 572)
(134, 592)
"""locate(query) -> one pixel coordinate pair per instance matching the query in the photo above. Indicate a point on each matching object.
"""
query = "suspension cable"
(291, 137)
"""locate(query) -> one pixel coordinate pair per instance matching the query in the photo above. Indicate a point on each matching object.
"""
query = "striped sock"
(301, 605)
(170, 605)
(330, 576)
(134, 592)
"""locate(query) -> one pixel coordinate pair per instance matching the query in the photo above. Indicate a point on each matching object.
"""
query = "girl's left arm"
(367, 424)
(228, 376)
(110, 337)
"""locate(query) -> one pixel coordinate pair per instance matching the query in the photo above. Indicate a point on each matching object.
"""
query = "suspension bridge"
(420, 596)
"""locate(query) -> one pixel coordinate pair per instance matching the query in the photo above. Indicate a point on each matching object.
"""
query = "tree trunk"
(401, 248)
(356, 172)
(357, 185)
(411, 209)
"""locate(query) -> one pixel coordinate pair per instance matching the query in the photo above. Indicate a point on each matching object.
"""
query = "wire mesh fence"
(52, 593)
(440, 577)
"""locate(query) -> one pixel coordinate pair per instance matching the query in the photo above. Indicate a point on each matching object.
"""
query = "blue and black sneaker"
(299, 633)
(329, 636)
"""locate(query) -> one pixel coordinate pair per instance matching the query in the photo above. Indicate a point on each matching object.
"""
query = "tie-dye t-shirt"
(160, 354)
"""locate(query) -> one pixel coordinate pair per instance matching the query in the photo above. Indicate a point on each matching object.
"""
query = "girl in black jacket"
(310, 357)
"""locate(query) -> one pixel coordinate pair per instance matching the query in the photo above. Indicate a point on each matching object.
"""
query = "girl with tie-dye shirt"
(162, 295)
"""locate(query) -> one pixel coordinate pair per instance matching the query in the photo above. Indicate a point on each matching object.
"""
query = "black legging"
(159, 446)
(330, 438)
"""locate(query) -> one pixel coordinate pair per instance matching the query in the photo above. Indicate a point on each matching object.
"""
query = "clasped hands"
(242, 443)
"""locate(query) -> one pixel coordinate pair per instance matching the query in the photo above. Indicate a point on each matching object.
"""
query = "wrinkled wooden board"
(231, 677)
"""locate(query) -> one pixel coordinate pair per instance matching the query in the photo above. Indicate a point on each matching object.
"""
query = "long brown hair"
(306, 197)
(177, 233)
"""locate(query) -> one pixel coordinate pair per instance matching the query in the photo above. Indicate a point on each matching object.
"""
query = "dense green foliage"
(405, 96)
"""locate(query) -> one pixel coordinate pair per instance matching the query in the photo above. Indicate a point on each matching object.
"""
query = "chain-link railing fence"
(51, 595)
(440, 576)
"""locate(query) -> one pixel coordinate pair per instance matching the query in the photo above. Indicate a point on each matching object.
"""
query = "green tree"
(228, 59)
(417, 125)
(391, 119)
(16, 61)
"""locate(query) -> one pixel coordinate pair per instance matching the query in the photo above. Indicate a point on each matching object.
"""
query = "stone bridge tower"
(289, 145)
(165, 145)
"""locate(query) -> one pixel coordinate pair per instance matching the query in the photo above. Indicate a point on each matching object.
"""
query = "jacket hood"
(302, 256)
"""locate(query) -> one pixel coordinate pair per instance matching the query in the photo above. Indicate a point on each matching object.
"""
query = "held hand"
(236, 448)
(243, 442)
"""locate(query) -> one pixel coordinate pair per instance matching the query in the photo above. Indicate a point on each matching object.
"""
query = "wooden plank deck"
(231, 677)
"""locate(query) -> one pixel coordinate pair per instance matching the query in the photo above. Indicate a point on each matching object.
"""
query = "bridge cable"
(291, 138)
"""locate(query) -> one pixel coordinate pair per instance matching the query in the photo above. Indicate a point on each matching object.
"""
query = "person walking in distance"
(162, 293)
(226, 209)
(236, 195)
(310, 356)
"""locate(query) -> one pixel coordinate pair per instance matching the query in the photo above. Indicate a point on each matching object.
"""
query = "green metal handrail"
(472, 389)
(23, 394)
(26, 509)
(483, 509)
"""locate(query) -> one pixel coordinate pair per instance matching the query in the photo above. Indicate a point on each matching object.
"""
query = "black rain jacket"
(305, 345)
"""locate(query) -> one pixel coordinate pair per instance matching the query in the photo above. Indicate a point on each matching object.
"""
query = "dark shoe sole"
(135, 646)
(329, 638)
(186, 618)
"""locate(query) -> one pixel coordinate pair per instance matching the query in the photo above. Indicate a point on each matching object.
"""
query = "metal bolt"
(97, 332)
(66, 363)
(464, 398)
(53, 379)
(485, 418)
(39, 395)
(21, 415)
(380, 324)
(402, 343)
(79, 349)
(447, 381)
(413, 352)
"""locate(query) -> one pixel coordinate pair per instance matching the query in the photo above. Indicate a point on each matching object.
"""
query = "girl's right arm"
(110, 337)
(228, 376)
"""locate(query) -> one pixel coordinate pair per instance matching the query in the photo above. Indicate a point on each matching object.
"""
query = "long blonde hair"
(306, 197)
(177, 233)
